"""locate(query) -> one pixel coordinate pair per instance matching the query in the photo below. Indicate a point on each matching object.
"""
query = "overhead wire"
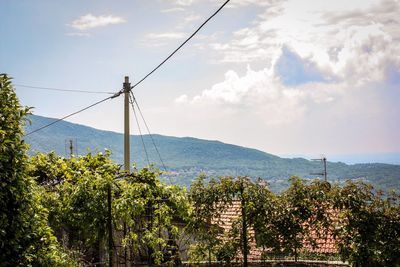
(179, 47)
(148, 130)
(140, 131)
(74, 113)
(61, 89)
(136, 84)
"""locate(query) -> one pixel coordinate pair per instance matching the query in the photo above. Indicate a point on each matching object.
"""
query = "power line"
(140, 131)
(79, 111)
(179, 47)
(136, 84)
(148, 130)
(62, 90)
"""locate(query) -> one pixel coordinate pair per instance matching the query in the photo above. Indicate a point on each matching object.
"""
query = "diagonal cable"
(148, 130)
(74, 113)
(140, 81)
(140, 131)
(179, 47)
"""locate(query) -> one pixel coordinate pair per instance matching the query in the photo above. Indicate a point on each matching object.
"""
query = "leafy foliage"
(209, 201)
(151, 212)
(144, 210)
(76, 194)
(368, 226)
(25, 238)
(291, 217)
(54, 211)
(366, 223)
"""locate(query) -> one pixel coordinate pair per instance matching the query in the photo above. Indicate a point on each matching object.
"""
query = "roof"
(326, 243)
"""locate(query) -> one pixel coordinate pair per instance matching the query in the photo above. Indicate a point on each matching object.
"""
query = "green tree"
(203, 198)
(210, 200)
(369, 225)
(76, 196)
(264, 215)
(25, 238)
(144, 210)
(284, 222)
(151, 212)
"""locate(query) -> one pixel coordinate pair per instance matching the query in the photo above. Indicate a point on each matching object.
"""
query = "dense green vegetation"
(365, 223)
(25, 237)
(59, 211)
(187, 157)
(85, 211)
(142, 212)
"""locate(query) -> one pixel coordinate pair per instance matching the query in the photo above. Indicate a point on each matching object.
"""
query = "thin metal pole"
(109, 226)
(71, 148)
(244, 224)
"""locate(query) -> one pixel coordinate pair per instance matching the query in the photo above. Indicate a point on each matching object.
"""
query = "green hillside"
(186, 157)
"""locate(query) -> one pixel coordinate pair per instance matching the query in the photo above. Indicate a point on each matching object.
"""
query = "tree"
(284, 223)
(369, 225)
(76, 196)
(203, 198)
(210, 200)
(151, 211)
(144, 210)
(264, 215)
(25, 238)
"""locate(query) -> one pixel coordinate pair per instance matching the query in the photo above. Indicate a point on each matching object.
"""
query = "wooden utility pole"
(127, 88)
(127, 163)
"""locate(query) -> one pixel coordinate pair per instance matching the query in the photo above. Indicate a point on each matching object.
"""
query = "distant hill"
(186, 157)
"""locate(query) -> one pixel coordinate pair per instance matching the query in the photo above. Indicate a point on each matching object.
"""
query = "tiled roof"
(326, 244)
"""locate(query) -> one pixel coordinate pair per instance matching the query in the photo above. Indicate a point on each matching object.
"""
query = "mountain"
(186, 157)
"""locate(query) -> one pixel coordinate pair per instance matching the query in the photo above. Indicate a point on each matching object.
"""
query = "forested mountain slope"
(186, 157)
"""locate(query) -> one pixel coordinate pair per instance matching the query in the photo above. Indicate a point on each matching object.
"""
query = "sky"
(287, 77)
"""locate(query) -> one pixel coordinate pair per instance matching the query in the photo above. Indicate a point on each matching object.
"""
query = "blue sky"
(287, 77)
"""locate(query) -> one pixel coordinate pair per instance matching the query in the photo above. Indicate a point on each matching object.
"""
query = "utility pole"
(127, 163)
(127, 89)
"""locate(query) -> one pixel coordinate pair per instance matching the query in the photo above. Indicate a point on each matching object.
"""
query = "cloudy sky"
(287, 77)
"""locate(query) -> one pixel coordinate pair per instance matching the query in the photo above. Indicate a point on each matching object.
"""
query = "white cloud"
(262, 92)
(79, 34)
(161, 39)
(90, 21)
(187, 21)
(347, 103)
(243, 3)
(191, 18)
(257, 110)
(181, 99)
(339, 38)
(184, 2)
(165, 36)
(174, 9)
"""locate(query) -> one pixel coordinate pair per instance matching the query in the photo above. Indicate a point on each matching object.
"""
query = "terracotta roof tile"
(325, 242)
